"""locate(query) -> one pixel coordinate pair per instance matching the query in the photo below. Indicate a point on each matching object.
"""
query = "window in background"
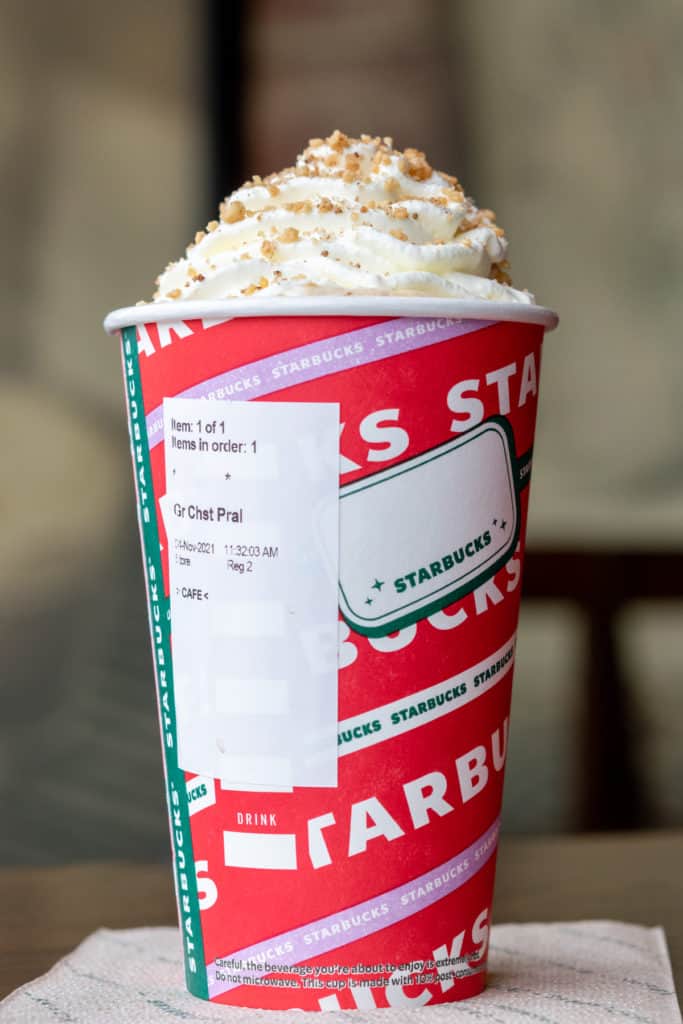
(571, 112)
(104, 170)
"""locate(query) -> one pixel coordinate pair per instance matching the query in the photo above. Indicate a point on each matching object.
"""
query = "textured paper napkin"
(538, 974)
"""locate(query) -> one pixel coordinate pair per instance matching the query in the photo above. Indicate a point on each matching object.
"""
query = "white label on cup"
(248, 586)
(420, 534)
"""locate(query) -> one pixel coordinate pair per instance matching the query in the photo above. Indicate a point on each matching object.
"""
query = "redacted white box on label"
(333, 497)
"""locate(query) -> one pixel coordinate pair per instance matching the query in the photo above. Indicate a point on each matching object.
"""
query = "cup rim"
(331, 305)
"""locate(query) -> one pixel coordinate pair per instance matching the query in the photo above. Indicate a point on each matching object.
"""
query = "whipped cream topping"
(354, 217)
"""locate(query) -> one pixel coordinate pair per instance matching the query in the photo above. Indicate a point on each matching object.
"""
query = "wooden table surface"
(637, 877)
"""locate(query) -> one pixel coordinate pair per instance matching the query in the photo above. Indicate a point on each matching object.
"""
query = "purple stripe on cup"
(354, 923)
(320, 359)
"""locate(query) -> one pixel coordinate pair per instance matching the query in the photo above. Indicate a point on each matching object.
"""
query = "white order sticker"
(420, 534)
(246, 482)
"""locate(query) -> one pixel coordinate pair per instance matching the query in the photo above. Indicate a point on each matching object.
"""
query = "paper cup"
(336, 851)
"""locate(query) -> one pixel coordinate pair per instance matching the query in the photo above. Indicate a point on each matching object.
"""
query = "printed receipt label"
(254, 609)
(422, 533)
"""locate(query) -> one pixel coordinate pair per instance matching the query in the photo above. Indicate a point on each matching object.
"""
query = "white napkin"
(597, 971)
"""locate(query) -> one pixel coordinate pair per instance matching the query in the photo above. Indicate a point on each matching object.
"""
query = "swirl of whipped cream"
(353, 217)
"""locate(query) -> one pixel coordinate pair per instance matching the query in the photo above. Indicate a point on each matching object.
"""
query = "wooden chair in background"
(612, 794)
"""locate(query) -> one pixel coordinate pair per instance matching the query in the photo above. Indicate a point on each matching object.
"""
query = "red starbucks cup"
(332, 499)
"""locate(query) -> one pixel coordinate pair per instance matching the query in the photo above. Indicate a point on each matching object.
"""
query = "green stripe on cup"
(160, 628)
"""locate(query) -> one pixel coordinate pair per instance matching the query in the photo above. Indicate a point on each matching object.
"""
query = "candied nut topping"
(259, 286)
(416, 165)
(377, 193)
(306, 206)
(499, 272)
(232, 212)
(338, 141)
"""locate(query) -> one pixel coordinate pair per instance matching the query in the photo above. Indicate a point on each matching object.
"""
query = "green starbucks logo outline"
(419, 591)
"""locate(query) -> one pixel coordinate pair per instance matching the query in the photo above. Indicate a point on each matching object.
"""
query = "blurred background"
(123, 126)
